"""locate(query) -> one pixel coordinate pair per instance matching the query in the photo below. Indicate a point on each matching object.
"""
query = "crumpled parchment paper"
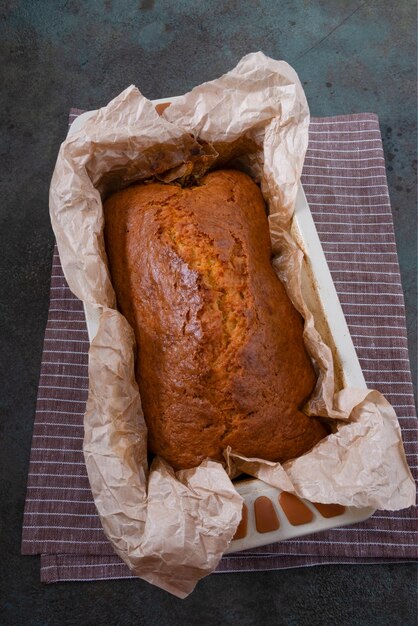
(172, 528)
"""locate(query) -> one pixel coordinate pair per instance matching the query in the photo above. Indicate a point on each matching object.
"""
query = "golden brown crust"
(221, 360)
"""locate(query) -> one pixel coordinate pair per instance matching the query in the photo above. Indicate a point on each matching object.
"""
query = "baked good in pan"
(221, 359)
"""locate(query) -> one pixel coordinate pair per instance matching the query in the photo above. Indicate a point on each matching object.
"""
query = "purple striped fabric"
(345, 183)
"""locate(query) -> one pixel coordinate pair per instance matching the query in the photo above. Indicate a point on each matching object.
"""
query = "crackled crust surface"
(221, 360)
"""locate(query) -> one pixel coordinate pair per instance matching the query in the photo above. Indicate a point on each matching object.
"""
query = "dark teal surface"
(351, 57)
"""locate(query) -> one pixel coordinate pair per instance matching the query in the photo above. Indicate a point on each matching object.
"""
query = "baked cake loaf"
(221, 360)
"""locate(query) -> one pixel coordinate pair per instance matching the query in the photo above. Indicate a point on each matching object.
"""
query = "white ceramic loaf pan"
(269, 515)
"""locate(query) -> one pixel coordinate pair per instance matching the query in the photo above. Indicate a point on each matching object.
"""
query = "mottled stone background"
(351, 56)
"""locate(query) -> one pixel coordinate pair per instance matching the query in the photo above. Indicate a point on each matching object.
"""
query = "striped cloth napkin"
(345, 183)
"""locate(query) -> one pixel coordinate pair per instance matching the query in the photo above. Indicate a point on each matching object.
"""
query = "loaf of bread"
(221, 360)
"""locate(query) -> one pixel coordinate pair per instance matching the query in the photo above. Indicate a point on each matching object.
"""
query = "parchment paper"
(172, 528)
